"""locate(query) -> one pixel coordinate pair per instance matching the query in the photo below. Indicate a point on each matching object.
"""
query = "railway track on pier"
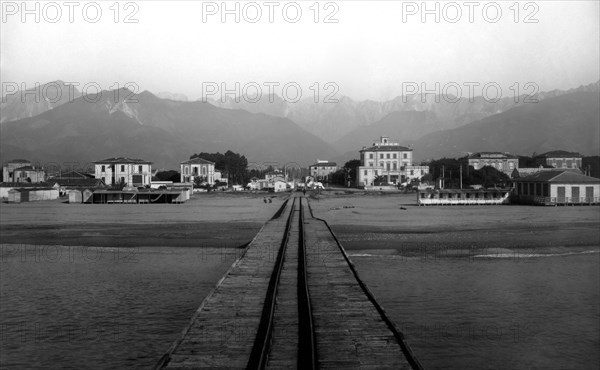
(285, 337)
(293, 300)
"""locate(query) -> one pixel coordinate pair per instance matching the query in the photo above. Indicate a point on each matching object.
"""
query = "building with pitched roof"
(384, 159)
(197, 168)
(557, 187)
(503, 162)
(322, 170)
(21, 170)
(560, 159)
(132, 172)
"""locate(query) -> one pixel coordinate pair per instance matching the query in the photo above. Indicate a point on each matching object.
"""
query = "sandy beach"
(377, 222)
(207, 220)
(384, 222)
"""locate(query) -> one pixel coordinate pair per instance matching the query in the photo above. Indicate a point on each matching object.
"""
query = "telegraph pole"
(461, 175)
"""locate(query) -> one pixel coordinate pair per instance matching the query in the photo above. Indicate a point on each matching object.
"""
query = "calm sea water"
(78, 307)
(503, 312)
(99, 308)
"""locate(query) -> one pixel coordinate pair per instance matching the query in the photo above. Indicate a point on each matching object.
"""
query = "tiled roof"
(197, 161)
(492, 155)
(386, 148)
(560, 154)
(28, 168)
(21, 190)
(324, 164)
(122, 160)
(463, 191)
(559, 177)
(23, 184)
(76, 181)
(74, 175)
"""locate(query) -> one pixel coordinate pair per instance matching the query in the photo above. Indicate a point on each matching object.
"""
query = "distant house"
(219, 177)
(322, 170)
(384, 159)
(560, 159)
(276, 184)
(557, 187)
(21, 170)
(416, 172)
(274, 174)
(197, 168)
(503, 162)
(129, 171)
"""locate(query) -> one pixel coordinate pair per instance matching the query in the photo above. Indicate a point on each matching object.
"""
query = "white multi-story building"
(198, 167)
(386, 159)
(129, 171)
(561, 159)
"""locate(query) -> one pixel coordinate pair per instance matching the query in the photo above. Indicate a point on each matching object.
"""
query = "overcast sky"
(368, 53)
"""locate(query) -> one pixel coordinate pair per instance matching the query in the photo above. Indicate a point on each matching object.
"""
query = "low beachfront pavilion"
(557, 187)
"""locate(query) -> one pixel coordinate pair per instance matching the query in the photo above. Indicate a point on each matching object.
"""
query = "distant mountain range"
(160, 130)
(168, 130)
(334, 121)
(568, 121)
(37, 100)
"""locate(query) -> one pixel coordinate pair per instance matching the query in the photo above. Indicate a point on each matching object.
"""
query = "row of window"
(498, 165)
(140, 168)
(534, 189)
(462, 196)
(539, 189)
(412, 172)
(387, 155)
(186, 170)
(389, 166)
(565, 163)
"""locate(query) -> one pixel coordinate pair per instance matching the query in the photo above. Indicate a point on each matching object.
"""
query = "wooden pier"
(293, 300)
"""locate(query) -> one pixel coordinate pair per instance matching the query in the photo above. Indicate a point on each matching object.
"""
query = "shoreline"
(192, 234)
(361, 222)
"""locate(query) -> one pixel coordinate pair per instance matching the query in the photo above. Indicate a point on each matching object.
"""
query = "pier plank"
(349, 330)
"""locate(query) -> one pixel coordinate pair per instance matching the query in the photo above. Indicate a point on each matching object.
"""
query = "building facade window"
(122, 168)
(140, 169)
(103, 168)
(404, 155)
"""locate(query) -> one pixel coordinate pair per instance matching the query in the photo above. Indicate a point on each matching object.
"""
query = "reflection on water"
(90, 307)
(530, 312)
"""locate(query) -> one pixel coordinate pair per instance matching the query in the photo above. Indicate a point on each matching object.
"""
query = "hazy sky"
(369, 53)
